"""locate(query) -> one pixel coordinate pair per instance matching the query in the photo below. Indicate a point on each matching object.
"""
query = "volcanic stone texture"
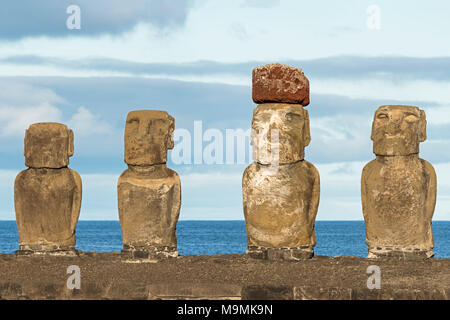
(398, 189)
(47, 196)
(149, 194)
(280, 83)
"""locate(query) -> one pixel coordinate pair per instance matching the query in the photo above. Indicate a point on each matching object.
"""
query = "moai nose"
(396, 116)
(273, 131)
(143, 129)
(269, 132)
(393, 126)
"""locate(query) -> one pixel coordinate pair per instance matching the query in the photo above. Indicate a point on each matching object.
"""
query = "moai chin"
(149, 193)
(398, 189)
(47, 196)
(280, 189)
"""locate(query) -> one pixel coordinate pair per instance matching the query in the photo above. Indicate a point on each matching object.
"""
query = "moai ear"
(373, 124)
(422, 127)
(169, 141)
(70, 146)
(25, 148)
(306, 129)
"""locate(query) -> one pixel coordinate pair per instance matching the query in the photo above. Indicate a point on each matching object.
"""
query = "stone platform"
(108, 276)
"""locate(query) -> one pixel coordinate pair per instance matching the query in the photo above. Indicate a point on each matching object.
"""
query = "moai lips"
(398, 189)
(149, 193)
(47, 196)
(280, 83)
(280, 189)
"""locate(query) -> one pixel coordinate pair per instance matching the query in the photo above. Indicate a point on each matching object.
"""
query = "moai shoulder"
(149, 193)
(47, 196)
(398, 189)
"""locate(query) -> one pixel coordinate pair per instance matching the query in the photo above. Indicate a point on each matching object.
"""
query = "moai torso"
(398, 189)
(280, 189)
(149, 194)
(397, 205)
(47, 196)
(280, 208)
(151, 220)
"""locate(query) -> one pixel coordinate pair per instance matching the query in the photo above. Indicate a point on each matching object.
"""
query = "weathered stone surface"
(398, 189)
(47, 198)
(106, 276)
(322, 293)
(48, 145)
(185, 290)
(280, 189)
(148, 136)
(280, 207)
(281, 254)
(280, 83)
(267, 292)
(149, 194)
(280, 133)
(398, 130)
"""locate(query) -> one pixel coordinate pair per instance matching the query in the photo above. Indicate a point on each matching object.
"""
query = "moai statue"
(149, 193)
(280, 189)
(47, 196)
(398, 189)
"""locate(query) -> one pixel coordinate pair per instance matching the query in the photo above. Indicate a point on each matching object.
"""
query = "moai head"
(148, 136)
(290, 123)
(48, 145)
(398, 130)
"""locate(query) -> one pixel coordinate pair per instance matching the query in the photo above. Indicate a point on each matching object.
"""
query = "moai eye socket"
(290, 116)
(133, 121)
(411, 118)
(382, 116)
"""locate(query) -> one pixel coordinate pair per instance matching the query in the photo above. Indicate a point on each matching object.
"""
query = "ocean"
(334, 238)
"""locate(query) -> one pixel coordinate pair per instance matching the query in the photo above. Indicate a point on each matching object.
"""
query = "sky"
(193, 59)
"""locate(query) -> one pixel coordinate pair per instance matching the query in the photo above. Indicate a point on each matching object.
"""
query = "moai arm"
(431, 190)
(364, 174)
(76, 205)
(363, 192)
(18, 203)
(244, 189)
(175, 213)
(315, 197)
(76, 202)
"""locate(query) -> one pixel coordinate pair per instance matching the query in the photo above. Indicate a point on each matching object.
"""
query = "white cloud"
(340, 127)
(83, 122)
(99, 196)
(207, 179)
(22, 105)
(16, 93)
(438, 115)
(14, 121)
(290, 30)
(7, 178)
(413, 90)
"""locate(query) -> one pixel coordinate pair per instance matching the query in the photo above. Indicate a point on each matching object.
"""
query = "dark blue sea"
(334, 238)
